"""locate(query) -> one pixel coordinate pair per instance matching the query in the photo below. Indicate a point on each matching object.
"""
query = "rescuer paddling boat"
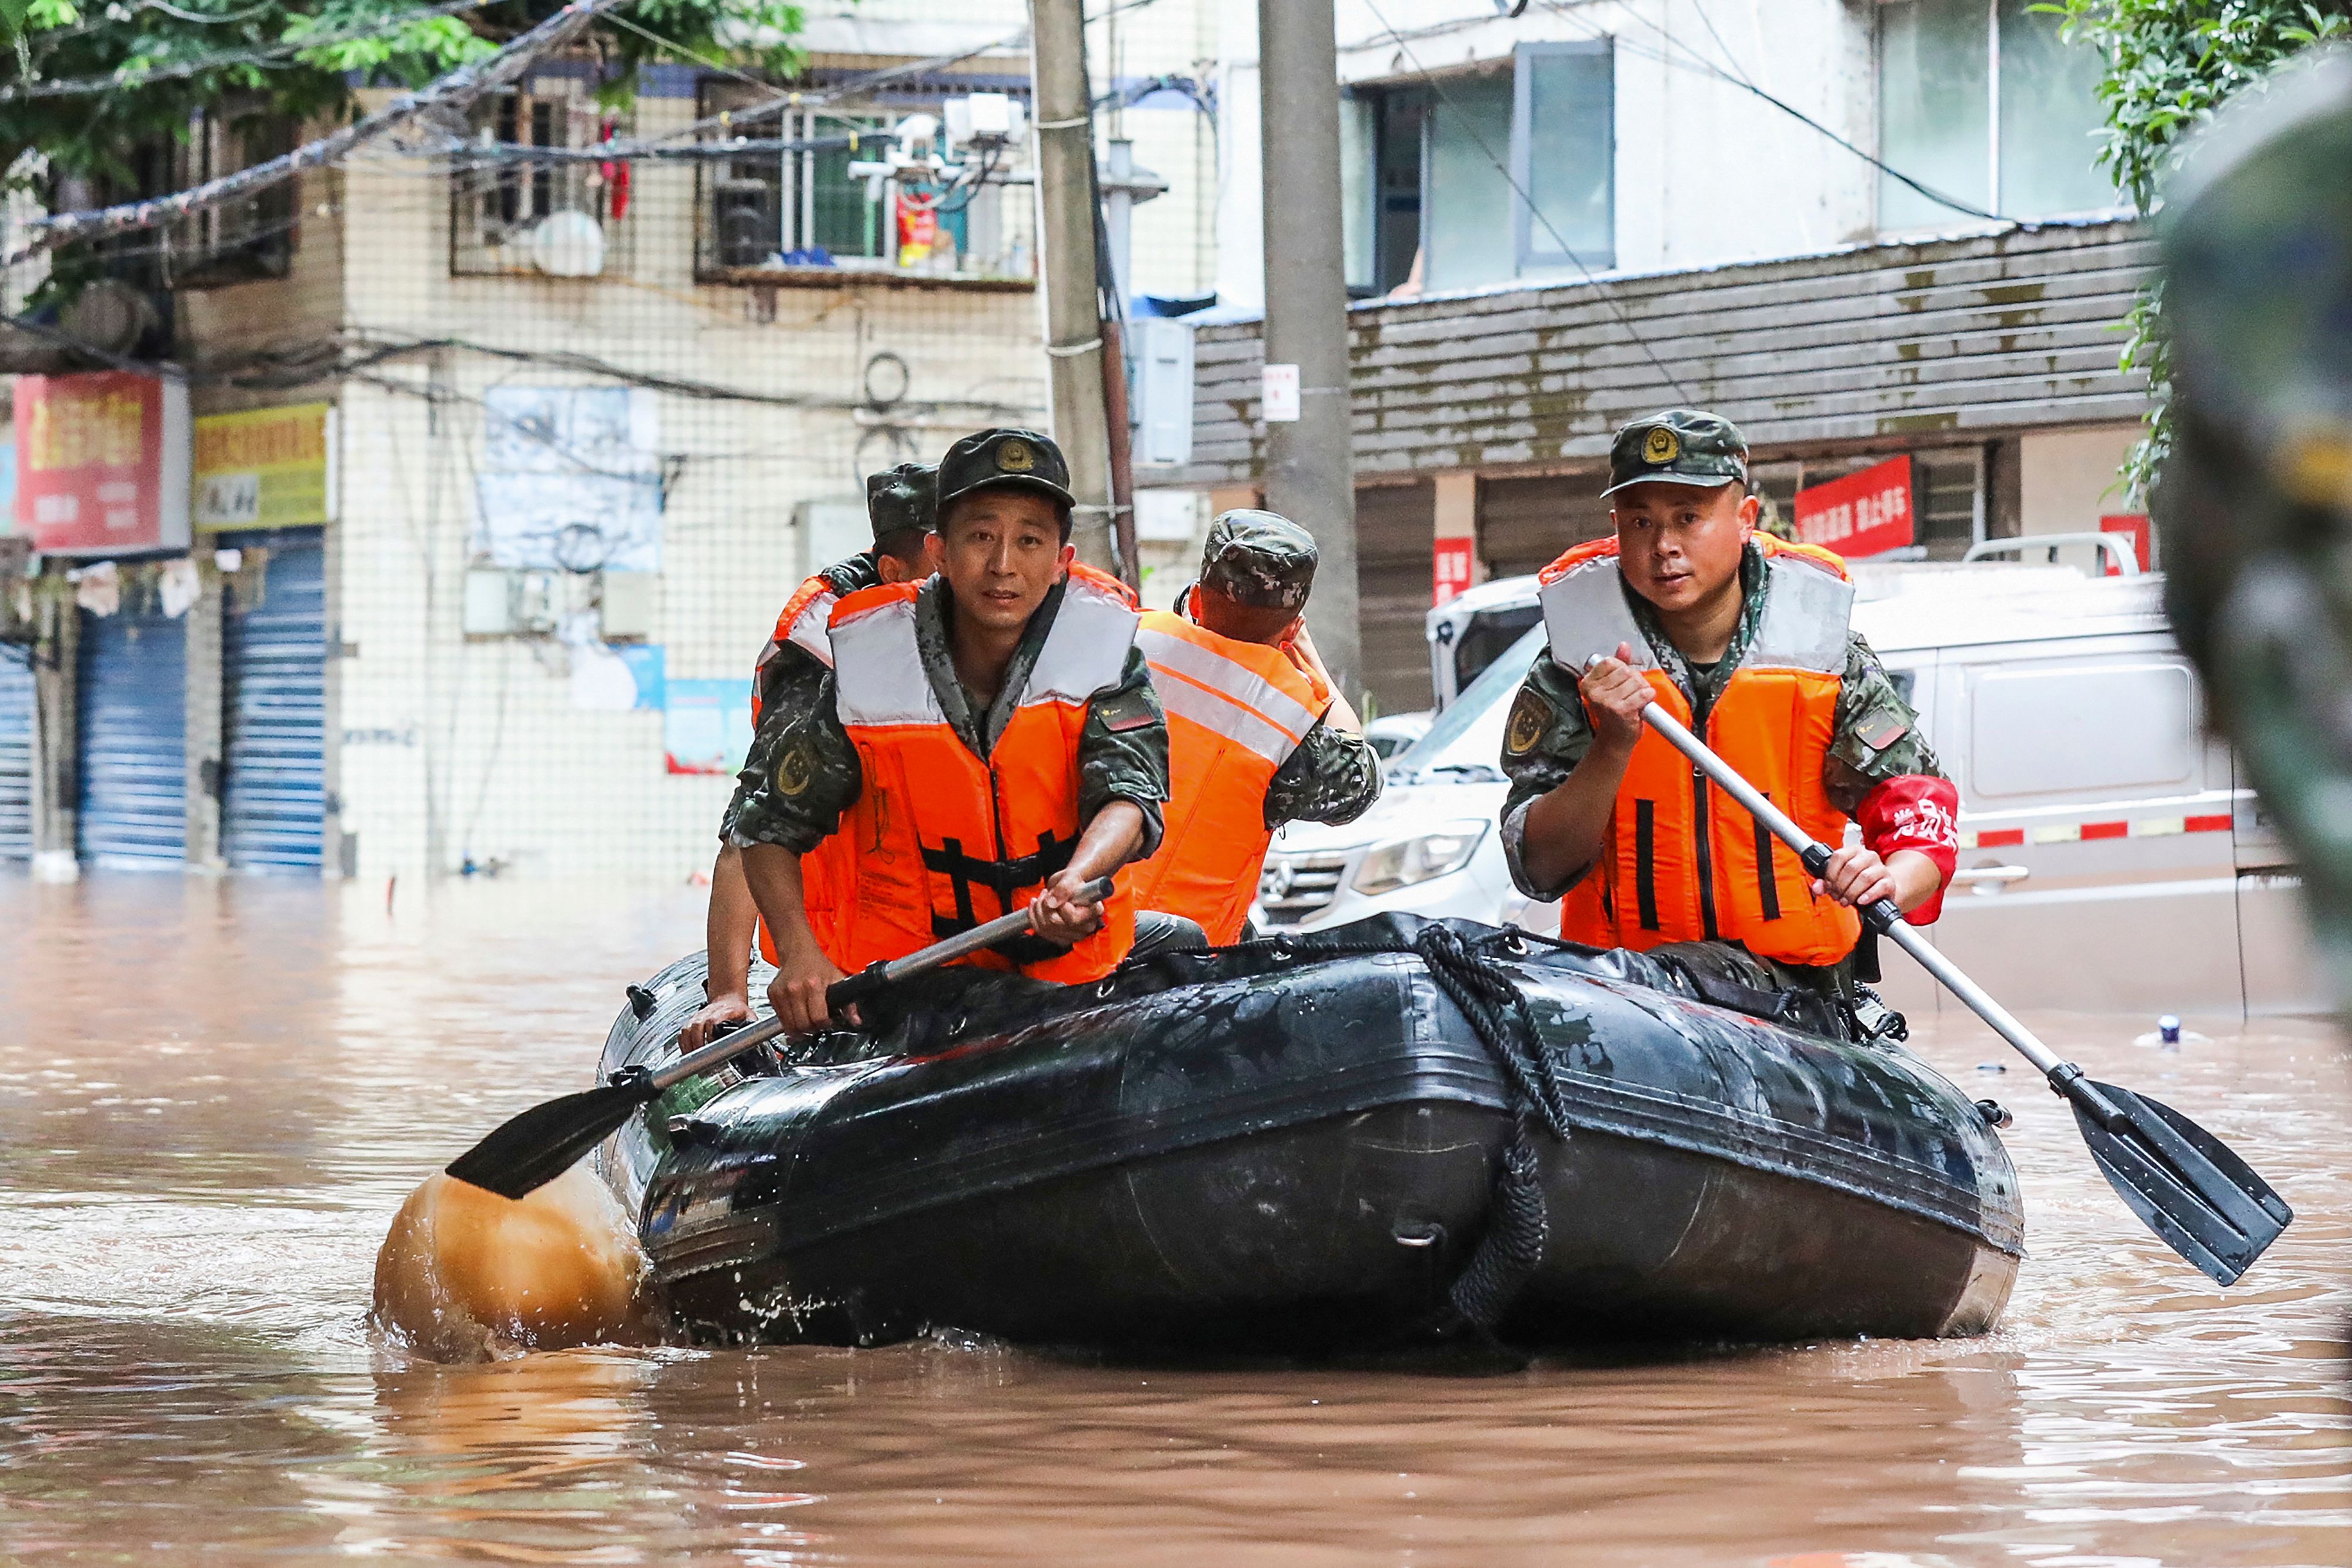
(1378, 1138)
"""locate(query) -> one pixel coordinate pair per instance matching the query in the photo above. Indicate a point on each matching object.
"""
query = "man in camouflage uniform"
(792, 668)
(813, 773)
(1259, 733)
(1696, 584)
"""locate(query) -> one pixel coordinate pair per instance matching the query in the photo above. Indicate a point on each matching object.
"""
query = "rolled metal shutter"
(16, 753)
(133, 724)
(1525, 524)
(274, 706)
(1396, 532)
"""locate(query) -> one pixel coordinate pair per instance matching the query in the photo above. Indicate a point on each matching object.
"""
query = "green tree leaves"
(2170, 65)
(89, 86)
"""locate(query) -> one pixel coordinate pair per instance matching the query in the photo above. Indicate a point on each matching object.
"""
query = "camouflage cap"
(1004, 459)
(1678, 447)
(1260, 558)
(902, 498)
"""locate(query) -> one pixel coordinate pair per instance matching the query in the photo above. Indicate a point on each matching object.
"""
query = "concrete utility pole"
(1066, 250)
(1310, 468)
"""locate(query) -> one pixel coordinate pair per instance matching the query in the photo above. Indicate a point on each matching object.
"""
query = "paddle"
(2183, 1183)
(532, 1149)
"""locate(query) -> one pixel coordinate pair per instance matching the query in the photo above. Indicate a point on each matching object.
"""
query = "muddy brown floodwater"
(213, 1096)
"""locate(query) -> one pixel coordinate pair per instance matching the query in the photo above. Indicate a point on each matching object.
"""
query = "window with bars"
(236, 241)
(509, 214)
(800, 211)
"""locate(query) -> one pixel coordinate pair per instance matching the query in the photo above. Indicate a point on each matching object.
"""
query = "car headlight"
(1400, 863)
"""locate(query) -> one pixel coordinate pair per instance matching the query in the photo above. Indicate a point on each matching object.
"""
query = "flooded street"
(213, 1096)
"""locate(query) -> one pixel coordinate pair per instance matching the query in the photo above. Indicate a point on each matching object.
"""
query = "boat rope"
(1466, 970)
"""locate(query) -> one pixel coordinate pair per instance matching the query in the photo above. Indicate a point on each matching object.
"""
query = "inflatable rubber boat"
(1374, 1137)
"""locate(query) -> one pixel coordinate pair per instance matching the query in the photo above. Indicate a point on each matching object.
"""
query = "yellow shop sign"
(265, 468)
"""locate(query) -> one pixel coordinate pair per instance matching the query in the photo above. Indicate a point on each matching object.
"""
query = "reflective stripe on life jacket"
(801, 625)
(941, 840)
(1683, 863)
(1236, 713)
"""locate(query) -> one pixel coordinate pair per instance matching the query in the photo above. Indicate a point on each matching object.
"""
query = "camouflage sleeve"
(1123, 750)
(1332, 777)
(1546, 736)
(792, 791)
(789, 682)
(1877, 736)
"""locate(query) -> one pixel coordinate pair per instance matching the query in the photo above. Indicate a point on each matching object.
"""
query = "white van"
(2110, 857)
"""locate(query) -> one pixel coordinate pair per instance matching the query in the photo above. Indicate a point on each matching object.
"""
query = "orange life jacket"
(826, 870)
(941, 839)
(1236, 713)
(1682, 862)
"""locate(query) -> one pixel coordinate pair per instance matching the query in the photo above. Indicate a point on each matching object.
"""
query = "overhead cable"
(1608, 298)
(1739, 79)
(450, 94)
(129, 78)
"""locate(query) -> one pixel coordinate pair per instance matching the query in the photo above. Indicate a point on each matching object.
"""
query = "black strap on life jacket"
(1767, 879)
(1646, 870)
(1004, 878)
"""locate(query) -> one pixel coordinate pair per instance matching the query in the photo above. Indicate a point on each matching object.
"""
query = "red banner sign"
(2134, 524)
(102, 463)
(1455, 566)
(1862, 514)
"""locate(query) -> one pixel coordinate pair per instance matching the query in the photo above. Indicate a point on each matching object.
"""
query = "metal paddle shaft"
(531, 1150)
(2184, 1185)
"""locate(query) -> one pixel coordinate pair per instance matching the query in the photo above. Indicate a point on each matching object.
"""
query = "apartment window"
(562, 218)
(1983, 101)
(802, 212)
(1449, 165)
(236, 241)
(1563, 149)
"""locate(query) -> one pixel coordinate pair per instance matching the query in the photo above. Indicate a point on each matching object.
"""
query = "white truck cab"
(2110, 856)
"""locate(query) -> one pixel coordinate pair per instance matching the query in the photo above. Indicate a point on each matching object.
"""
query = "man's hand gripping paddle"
(542, 1143)
(2184, 1183)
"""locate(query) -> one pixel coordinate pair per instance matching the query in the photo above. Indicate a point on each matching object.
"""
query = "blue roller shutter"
(16, 753)
(134, 675)
(274, 674)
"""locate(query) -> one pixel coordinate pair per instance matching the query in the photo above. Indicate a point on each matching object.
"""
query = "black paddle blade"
(2185, 1183)
(531, 1150)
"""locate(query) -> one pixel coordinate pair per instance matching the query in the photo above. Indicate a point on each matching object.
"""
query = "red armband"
(1920, 813)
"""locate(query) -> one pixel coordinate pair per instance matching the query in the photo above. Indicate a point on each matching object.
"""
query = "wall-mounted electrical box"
(830, 531)
(511, 604)
(626, 605)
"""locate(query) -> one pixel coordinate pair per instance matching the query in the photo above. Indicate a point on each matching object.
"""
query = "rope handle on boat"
(1488, 993)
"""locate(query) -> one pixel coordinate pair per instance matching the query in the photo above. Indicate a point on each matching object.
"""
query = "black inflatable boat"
(1382, 1135)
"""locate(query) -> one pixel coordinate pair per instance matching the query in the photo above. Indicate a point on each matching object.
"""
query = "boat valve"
(1995, 1114)
(642, 1002)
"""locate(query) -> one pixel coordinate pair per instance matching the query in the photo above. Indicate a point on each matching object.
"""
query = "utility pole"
(1067, 220)
(1310, 469)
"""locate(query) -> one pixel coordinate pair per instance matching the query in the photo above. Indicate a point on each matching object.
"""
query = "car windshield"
(1466, 741)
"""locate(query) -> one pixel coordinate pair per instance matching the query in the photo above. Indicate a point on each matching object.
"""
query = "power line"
(1607, 297)
(129, 78)
(1700, 63)
(451, 93)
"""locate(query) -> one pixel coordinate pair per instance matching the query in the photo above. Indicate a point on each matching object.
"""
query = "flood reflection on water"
(214, 1096)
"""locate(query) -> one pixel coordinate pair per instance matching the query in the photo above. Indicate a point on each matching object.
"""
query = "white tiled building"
(543, 347)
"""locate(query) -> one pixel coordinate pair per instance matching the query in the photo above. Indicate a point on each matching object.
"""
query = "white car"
(2110, 857)
(1393, 732)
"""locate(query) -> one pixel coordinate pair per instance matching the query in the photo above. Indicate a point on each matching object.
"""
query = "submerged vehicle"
(1383, 1136)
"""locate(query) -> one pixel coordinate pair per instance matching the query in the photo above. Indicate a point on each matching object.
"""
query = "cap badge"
(1015, 457)
(1661, 446)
